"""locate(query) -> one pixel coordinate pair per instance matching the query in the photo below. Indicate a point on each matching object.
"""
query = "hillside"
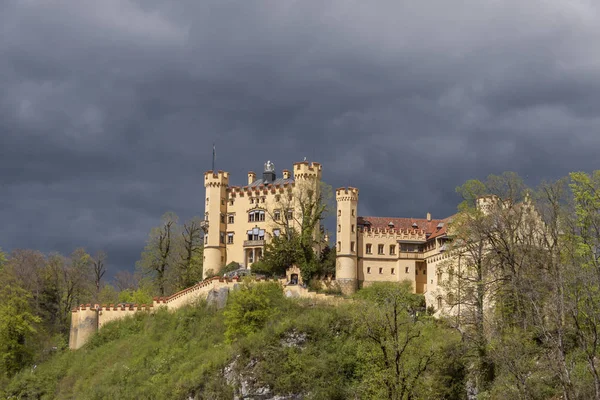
(262, 345)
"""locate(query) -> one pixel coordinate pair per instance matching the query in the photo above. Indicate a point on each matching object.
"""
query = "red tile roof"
(430, 227)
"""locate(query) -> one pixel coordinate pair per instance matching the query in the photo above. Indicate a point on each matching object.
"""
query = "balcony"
(411, 255)
(254, 243)
(204, 225)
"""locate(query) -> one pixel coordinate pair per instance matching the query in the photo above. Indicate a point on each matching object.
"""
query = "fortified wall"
(87, 318)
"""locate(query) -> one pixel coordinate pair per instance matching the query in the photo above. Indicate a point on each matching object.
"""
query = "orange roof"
(432, 228)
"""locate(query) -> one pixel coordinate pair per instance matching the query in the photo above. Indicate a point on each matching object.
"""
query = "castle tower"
(308, 176)
(305, 171)
(215, 254)
(346, 271)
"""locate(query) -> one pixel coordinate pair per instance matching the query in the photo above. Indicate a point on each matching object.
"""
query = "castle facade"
(241, 220)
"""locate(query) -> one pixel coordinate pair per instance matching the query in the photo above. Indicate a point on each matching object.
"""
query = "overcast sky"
(108, 109)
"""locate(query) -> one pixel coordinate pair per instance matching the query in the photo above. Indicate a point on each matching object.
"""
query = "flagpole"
(213, 159)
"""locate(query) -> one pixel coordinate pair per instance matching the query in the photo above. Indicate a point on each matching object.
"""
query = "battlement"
(346, 194)
(260, 189)
(417, 235)
(219, 178)
(305, 170)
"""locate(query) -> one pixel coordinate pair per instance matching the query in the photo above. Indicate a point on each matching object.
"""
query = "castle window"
(339, 228)
(223, 237)
(439, 277)
(255, 216)
(251, 200)
(381, 270)
(392, 249)
(205, 239)
(207, 201)
(353, 229)
(231, 202)
(256, 234)
(380, 249)
(262, 200)
(290, 214)
(339, 246)
(368, 270)
(368, 248)
(393, 271)
(230, 219)
(439, 302)
(352, 247)
(339, 213)
(222, 201)
(277, 197)
(353, 212)
(450, 299)
(277, 215)
(406, 270)
(230, 238)
(222, 218)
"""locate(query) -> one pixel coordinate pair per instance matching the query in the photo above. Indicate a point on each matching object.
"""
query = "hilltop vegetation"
(261, 342)
(522, 285)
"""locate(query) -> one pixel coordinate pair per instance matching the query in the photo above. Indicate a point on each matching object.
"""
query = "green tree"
(108, 295)
(301, 211)
(586, 253)
(396, 342)
(250, 307)
(17, 327)
(280, 253)
(2, 259)
(138, 296)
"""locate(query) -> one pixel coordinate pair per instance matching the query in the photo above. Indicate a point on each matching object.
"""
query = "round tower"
(346, 268)
(215, 216)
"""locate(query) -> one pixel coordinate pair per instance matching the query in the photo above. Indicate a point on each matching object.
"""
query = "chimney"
(251, 177)
(428, 216)
(286, 174)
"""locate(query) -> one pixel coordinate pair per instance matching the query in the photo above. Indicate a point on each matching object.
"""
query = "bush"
(250, 307)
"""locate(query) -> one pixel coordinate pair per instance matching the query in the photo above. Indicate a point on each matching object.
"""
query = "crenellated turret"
(215, 211)
(347, 239)
(305, 171)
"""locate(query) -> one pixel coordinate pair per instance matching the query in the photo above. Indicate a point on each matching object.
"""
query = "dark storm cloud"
(108, 110)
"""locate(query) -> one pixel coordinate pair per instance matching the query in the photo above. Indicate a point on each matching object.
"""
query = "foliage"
(232, 266)
(398, 345)
(138, 296)
(250, 307)
(2, 259)
(302, 235)
(280, 253)
(17, 327)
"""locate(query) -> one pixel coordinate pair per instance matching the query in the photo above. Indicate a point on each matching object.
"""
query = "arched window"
(439, 302)
(256, 216)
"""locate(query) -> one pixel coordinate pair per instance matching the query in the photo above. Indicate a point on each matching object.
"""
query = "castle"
(240, 220)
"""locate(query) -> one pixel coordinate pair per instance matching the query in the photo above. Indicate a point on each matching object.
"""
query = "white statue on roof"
(269, 166)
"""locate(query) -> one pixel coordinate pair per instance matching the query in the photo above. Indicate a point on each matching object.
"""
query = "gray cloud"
(108, 110)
